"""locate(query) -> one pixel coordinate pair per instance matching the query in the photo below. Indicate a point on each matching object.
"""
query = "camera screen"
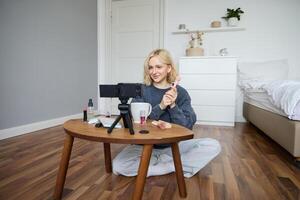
(121, 90)
(108, 90)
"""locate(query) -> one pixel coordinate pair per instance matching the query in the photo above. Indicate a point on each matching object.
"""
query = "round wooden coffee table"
(78, 129)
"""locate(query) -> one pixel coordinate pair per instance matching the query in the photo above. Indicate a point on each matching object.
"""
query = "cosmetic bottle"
(90, 110)
(84, 115)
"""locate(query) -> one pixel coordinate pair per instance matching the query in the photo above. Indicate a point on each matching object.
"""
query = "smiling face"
(158, 71)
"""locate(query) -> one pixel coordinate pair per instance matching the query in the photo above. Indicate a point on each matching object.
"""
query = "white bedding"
(283, 96)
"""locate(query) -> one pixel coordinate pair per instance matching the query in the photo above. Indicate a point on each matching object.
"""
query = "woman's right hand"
(168, 98)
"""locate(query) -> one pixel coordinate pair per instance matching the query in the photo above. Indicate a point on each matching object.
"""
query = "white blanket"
(285, 94)
(195, 154)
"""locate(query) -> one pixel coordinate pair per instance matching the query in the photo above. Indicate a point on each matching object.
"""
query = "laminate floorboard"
(250, 166)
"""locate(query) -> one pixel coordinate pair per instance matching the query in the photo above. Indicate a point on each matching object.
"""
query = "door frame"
(104, 24)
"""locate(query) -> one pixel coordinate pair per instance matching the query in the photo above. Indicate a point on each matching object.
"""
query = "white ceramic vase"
(233, 21)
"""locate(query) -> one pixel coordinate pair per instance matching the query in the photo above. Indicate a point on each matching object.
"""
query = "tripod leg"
(109, 130)
(123, 115)
(129, 123)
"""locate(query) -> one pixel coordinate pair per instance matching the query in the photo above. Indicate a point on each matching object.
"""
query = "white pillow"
(265, 71)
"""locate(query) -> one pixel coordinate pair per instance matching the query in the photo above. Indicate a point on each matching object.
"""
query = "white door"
(135, 32)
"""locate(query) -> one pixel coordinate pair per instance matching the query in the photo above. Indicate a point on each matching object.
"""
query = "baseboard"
(240, 118)
(28, 128)
(212, 123)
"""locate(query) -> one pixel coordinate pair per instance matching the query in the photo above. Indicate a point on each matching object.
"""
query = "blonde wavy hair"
(165, 57)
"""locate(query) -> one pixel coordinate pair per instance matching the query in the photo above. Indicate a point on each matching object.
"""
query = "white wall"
(272, 30)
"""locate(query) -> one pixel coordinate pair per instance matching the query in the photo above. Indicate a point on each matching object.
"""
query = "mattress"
(261, 100)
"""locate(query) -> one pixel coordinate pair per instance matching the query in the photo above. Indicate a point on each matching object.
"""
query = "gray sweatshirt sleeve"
(156, 112)
(183, 113)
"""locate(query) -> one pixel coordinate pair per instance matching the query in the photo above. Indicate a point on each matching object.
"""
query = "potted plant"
(233, 16)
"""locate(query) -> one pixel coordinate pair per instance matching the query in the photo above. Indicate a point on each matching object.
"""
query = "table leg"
(178, 170)
(107, 157)
(64, 163)
(142, 173)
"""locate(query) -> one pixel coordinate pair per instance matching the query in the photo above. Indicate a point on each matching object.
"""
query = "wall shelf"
(206, 30)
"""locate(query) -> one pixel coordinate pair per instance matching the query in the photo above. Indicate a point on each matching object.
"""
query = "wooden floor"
(250, 166)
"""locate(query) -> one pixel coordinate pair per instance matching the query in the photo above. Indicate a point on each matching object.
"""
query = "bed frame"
(284, 131)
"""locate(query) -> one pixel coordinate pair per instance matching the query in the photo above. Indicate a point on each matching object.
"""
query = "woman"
(170, 104)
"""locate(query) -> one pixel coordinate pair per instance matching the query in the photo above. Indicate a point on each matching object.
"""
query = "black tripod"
(125, 114)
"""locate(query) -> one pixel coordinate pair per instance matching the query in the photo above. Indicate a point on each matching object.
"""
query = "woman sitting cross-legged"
(170, 104)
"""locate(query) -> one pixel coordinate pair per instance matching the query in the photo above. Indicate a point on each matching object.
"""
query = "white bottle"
(90, 110)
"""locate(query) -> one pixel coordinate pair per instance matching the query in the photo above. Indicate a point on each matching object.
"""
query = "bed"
(271, 103)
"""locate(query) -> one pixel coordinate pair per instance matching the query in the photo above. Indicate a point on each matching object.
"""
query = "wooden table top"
(80, 129)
